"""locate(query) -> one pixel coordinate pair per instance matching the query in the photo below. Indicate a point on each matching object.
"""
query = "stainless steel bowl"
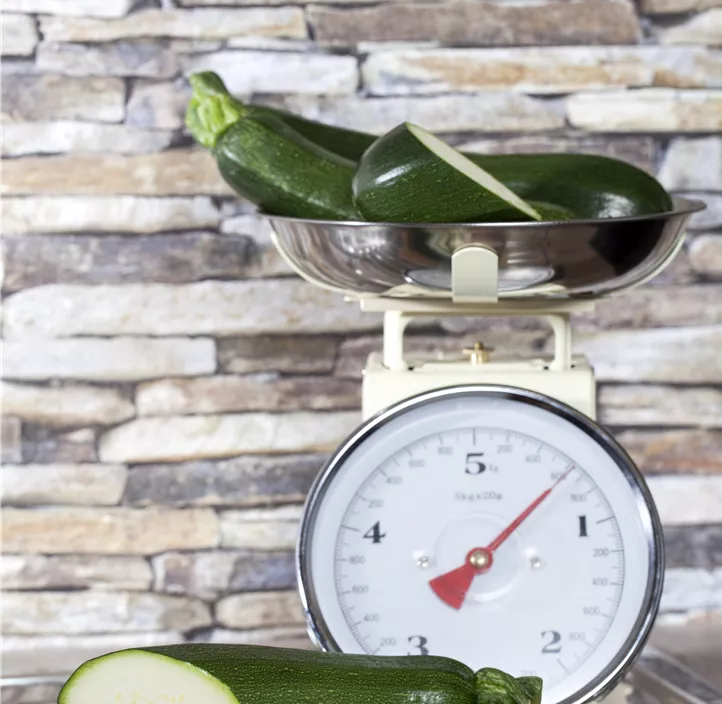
(573, 259)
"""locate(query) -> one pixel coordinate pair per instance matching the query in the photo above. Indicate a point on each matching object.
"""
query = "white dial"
(489, 527)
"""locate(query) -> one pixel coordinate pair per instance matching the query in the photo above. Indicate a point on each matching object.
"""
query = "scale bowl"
(564, 259)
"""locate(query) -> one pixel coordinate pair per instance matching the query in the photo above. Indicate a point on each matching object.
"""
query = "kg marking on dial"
(449, 530)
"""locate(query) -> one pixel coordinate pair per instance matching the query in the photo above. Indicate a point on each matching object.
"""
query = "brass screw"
(478, 354)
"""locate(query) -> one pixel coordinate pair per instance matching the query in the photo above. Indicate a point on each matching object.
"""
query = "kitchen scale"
(479, 512)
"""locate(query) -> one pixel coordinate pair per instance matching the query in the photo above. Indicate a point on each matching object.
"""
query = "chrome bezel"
(317, 627)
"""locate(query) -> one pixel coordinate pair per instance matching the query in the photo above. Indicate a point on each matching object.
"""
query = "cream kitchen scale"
(479, 512)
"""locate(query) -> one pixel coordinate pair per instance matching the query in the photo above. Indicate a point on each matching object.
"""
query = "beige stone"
(12, 441)
(109, 531)
(21, 572)
(195, 24)
(222, 394)
(66, 406)
(687, 500)
(538, 70)
(282, 72)
(266, 259)
(675, 451)
(49, 655)
(177, 438)
(632, 405)
(119, 214)
(289, 637)
(80, 484)
(173, 172)
(667, 356)
(93, 8)
(73, 613)
(705, 254)
(18, 35)
(40, 97)
(116, 359)
(216, 307)
(260, 610)
(159, 105)
(664, 7)
(58, 137)
(491, 112)
(705, 28)
(44, 445)
(479, 23)
(692, 164)
(261, 529)
(649, 110)
(128, 58)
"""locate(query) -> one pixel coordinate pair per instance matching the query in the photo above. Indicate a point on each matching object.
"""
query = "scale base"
(383, 387)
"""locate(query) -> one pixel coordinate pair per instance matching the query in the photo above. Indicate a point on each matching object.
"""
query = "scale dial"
(488, 524)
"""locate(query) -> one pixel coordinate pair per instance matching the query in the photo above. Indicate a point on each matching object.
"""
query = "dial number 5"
(474, 465)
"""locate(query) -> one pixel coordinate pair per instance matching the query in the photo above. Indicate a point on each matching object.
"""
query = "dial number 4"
(374, 533)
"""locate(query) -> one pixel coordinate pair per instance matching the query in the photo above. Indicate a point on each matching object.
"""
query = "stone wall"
(170, 389)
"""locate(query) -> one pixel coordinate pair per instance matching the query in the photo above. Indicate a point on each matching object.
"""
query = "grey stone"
(12, 444)
(260, 610)
(31, 694)
(49, 655)
(249, 72)
(693, 546)
(284, 637)
(19, 35)
(664, 7)
(693, 164)
(241, 481)
(299, 354)
(691, 451)
(705, 254)
(73, 613)
(22, 572)
(116, 359)
(49, 96)
(57, 137)
(47, 445)
(109, 259)
(222, 394)
(92, 8)
(711, 217)
(646, 110)
(66, 406)
(179, 438)
(210, 307)
(171, 173)
(208, 575)
(158, 105)
(489, 112)
(57, 484)
(691, 590)
(127, 58)
(585, 22)
(108, 531)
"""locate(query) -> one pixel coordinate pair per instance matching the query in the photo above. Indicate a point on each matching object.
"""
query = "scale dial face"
(487, 524)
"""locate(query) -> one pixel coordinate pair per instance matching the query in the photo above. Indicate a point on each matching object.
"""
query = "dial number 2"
(553, 646)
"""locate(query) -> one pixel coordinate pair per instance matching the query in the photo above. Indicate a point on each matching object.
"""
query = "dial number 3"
(419, 643)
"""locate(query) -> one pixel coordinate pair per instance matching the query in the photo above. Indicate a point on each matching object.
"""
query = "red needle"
(452, 587)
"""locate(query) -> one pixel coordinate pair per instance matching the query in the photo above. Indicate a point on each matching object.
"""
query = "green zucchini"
(202, 673)
(409, 175)
(266, 161)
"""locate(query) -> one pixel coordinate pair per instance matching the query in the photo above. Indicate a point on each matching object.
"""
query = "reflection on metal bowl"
(567, 259)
